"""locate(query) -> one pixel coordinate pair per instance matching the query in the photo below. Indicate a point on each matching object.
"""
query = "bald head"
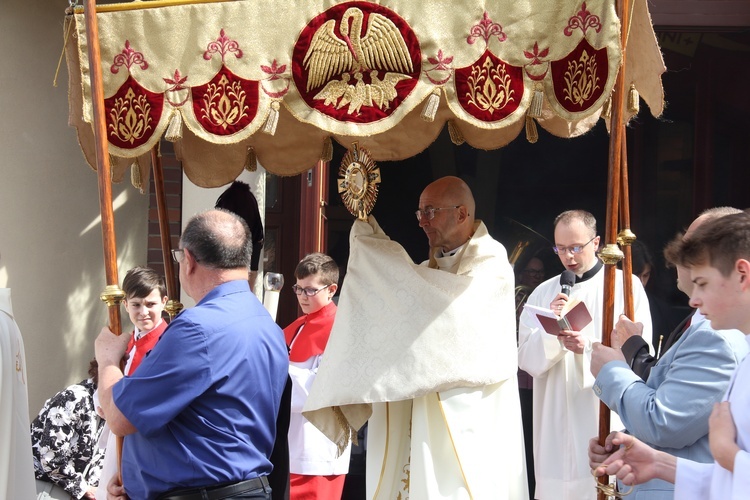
(451, 191)
(453, 223)
(218, 239)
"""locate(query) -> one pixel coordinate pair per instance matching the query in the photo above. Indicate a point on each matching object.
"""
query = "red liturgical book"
(574, 316)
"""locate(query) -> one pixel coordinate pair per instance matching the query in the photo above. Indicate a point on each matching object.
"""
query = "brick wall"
(172, 169)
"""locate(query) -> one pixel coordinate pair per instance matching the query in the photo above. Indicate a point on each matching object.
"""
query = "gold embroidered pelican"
(381, 48)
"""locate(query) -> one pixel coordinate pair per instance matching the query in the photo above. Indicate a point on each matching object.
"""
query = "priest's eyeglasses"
(574, 249)
(310, 292)
(429, 213)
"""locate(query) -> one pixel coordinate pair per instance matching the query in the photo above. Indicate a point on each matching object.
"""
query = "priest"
(566, 410)
(428, 354)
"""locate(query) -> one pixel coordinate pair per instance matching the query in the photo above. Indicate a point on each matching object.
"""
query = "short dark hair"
(218, 239)
(719, 243)
(94, 371)
(238, 198)
(318, 264)
(582, 215)
(140, 281)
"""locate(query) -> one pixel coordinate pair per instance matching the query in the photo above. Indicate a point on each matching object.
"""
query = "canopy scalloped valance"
(232, 81)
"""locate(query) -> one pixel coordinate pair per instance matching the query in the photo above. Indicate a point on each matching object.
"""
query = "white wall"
(197, 199)
(50, 236)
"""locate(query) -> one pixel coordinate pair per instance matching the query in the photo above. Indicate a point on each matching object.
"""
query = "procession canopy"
(277, 81)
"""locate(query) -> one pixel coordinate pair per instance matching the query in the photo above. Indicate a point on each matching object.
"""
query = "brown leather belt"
(217, 492)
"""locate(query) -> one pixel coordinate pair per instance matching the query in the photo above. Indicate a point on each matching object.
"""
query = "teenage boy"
(145, 298)
(718, 257)
(316, 469)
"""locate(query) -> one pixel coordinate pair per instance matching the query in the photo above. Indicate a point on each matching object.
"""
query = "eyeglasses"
(574, 249)
(310, 292)
(178, 254)
(429, 213)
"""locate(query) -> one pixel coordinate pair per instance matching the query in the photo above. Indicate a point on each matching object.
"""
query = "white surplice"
(696, 481)
(566, 410)
(16, 465)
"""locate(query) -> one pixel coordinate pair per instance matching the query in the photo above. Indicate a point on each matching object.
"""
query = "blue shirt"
(204, 401)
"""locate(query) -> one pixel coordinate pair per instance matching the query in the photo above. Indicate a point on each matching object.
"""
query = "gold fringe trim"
(431, 106)
(634, 100)
(607, 108)
(174, 129)
(537, 102)
(531, 133)
(251, 161)
(273, 119)
(135, 175)
(348, 435)
(457, 137)
(327, 153)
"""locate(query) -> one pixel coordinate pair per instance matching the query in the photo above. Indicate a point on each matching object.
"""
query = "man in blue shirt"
(199, 414)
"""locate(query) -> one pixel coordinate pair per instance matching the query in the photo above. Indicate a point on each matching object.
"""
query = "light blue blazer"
(670, 410)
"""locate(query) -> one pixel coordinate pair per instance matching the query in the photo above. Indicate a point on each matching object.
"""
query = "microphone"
(567, 279)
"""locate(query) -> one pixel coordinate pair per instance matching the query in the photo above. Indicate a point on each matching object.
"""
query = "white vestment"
(566, 410)
(16, 465)
(696, 481)
(432, 356)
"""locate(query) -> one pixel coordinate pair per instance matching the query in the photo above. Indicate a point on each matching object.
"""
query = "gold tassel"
(327, 154)
(607, 108)
(273, 119)
(531, 133)
(251, 162)
(457, 137)
(537, 102)
(135, 175)
(634, 100)
(174, 130)
(431, 106)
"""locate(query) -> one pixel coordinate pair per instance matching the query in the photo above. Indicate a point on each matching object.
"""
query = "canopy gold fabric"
(275, 80)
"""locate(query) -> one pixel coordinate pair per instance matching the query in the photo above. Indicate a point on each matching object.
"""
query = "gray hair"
(218, 239)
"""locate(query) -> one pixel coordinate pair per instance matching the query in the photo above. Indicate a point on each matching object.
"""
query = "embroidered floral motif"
(489, 86)
(224, 103)
(19, 366)
(441, 69)
(276, 73)
(403, 493)
(581, 80)
(129, 118)
(223, 45)
(128, 57)
(583, 20)
(535, 54)
(486, 29)
(177, 94)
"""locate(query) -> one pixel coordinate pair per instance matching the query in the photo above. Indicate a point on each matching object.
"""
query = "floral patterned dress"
(64, 440)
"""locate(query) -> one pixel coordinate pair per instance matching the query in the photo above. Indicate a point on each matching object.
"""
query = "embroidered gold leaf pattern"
(129, 117)
(224, 103)
(489, 87)
(580, 79)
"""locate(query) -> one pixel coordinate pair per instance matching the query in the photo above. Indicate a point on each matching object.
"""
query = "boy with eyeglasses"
(565, 407)
(316, 468)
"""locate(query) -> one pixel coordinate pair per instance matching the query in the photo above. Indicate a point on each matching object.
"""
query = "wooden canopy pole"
(112, 294)
(626, 237)
(611, 253)
(103, 172)
(173, 305)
